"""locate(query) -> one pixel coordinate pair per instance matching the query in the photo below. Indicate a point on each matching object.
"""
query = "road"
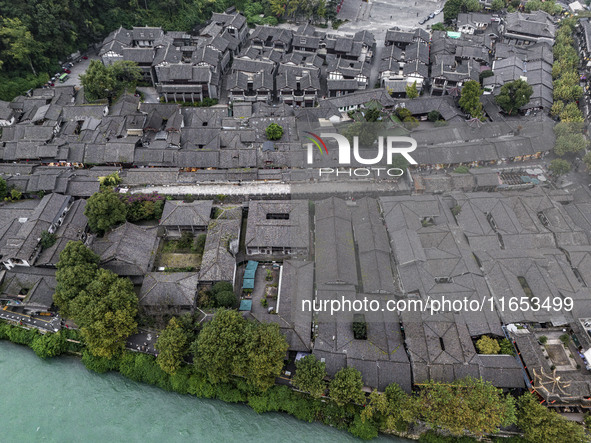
(53, 324)
(256, 188)
(380, 15)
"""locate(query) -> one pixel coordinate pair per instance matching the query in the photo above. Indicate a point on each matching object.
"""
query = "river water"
(59, 400)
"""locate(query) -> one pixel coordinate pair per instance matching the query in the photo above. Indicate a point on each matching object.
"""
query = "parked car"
(432, 15)
(422, 22)
(67, 71)
(85, 57)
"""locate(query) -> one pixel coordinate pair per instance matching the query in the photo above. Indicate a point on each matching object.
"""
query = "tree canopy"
(274, 131)
(102, 81)
(172, 345)
(101, 303)
(76, 268)
(540, 424)
(309, 376)
(470, 99)
(229, 345)
(452, 8)
(468, 404)
(105, 312)
(514, 95)
(559, 166)
(346, 387)
(487, 345)
(412, 91)
(104, 210)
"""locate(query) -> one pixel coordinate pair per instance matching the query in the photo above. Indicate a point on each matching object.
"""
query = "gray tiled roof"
(179, 213)
(127, 250)
(223, 234)
(293, 232)
(163, 289)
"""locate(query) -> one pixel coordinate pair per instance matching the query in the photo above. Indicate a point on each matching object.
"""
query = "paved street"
(255, 188)
(142, 342)
(378, 16)
(51, 324)
(76, 70)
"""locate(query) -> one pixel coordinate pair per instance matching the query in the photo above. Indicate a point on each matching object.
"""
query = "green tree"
(309, 376)
(76, 268)
(98, 81)
(470, 99)
(506, 347)
(225, 299)
(20, 46)
(274, 131)
(468, 404)
(587, 160)
(570, 143)
(265, 349)
(533, 5)
(497, 5)
(219, 349)
(105, 312)
(392, 410)
(346, 387)
(571, 113)
(111, 180)
(452, 8)
(559, 166)
(514, 95)
(412, 91)
(539, 424)
(363, 429)
(411, 123)
(567, 87)
(48, 239)
(104, 210)
(433, 116)
(126, 73)
(3, 189)
(221, 286)
(49, 344)
(172, 345)
(487, 345)
(557, 107)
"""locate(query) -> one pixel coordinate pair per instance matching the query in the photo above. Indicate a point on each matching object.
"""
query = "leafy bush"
(225, 299)
(487, 345)
(199, 245)
(462, 170)
(47, 239)
(274, 131)
(433, 116)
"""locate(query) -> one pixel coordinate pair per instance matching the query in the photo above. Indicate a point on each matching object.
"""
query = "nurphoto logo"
(387, 147)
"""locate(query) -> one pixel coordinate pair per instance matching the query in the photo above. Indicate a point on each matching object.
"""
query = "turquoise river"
(59, 400)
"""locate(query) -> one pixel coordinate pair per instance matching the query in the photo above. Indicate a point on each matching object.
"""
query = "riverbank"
(143, 368)
(59, 400)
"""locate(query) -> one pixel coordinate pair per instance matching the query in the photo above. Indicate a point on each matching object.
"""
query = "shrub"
(433, 116)
(487, 345)
(274, 131)
(225, 299)
(47, 239)
(462, 170)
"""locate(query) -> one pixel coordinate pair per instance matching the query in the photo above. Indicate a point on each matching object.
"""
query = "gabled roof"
(221, 245)
(169, 289)
(127, 250)
(179, 213)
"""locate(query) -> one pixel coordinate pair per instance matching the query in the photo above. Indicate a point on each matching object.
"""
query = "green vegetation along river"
(59, 400)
